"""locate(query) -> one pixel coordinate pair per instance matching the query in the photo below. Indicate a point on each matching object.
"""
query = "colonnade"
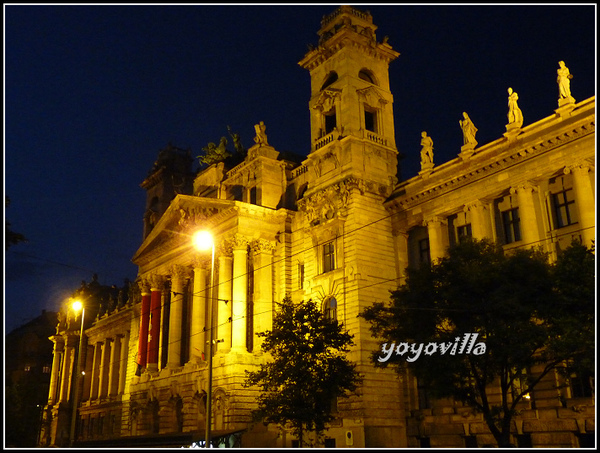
(533, 215)
(243, 289)
(104, 372)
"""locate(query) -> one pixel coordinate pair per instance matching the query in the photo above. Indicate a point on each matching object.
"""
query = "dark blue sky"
(94, 92)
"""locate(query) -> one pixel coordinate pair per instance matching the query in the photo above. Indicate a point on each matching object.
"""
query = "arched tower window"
(367, 76)
(331, 77)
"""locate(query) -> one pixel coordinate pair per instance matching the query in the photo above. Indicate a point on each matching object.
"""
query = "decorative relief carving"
(326, 100)
(191, 218)
(327, 203)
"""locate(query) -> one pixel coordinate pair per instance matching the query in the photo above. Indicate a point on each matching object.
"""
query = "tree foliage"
(307, 371)
(532, 316)
(11, 237)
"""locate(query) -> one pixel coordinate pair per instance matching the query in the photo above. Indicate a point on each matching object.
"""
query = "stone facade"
(337, 227)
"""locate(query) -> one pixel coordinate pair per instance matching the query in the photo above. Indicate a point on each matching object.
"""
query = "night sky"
(92, 93)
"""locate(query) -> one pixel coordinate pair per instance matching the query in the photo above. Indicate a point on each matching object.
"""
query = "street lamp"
(76, 306)
(203, 240)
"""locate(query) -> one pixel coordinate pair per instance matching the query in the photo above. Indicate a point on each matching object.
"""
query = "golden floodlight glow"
(203, 240)
(77, 305)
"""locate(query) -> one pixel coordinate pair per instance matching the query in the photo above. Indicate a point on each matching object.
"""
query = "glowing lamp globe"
(202, 240)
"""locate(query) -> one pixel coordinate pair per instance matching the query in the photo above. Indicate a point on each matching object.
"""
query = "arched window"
(330, 307)
(367, 76)
(332, 77)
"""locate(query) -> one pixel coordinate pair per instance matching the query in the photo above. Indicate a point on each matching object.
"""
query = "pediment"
(326, 99)
(372, 96)
(185, 215)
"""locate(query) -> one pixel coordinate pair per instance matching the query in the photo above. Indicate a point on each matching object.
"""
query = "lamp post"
(203, 240)
(77, 305)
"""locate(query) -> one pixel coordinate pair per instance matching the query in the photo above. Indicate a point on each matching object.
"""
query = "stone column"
(239, 294)
(262, 252)
(480, 219)
(401, 242)
(223, 304)
(530, 232)
(156, 289)
(104, 367)
(57, 353)
(437, 241)
(94, 389)
(113, 368)
(124, 357)
(144, 322)
(584, 200)
(67, 371)
(199, 301)
(87, 378)
(179, 275)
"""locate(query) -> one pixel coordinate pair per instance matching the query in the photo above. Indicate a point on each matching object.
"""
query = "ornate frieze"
(326, 204)
(191, 218)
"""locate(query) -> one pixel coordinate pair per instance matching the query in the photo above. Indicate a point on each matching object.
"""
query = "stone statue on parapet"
(426, 150)
(237, 142)
(469, 130)
(261, 135)
(515, 116)
(214, 153)
(564, 80)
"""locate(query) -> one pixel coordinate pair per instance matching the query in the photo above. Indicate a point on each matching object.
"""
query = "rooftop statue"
(469, 130)
(515, 116)
(426, 150)
(564, 81)
(214, 153)
(261, 135)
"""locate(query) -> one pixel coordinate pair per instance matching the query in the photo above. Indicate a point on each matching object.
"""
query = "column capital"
(156, 281)
(239, 242)
(144, 285)
(180, 271)
(201, 263)
(262, 246)
(523, 188)
(582, 167)
(436, 219)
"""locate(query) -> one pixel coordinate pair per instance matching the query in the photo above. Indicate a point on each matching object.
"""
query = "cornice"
(473, 172)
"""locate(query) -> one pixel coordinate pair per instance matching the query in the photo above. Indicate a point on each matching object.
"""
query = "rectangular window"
(370, 121)
(463, 232)
(524, 441)
(510, 222)
(301, 275)
(581, 386)
(563, 208)
(330, 122)
(328, 257)
(424, 256)
(471, 442)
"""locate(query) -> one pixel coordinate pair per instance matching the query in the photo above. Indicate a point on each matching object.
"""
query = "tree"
(530, 316)
(11, 237)
(308, 370)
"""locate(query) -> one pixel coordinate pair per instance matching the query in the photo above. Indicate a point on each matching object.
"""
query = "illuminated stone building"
(338, 227)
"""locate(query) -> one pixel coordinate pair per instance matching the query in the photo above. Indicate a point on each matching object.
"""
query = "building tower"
(350, 171)
(170, 175)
